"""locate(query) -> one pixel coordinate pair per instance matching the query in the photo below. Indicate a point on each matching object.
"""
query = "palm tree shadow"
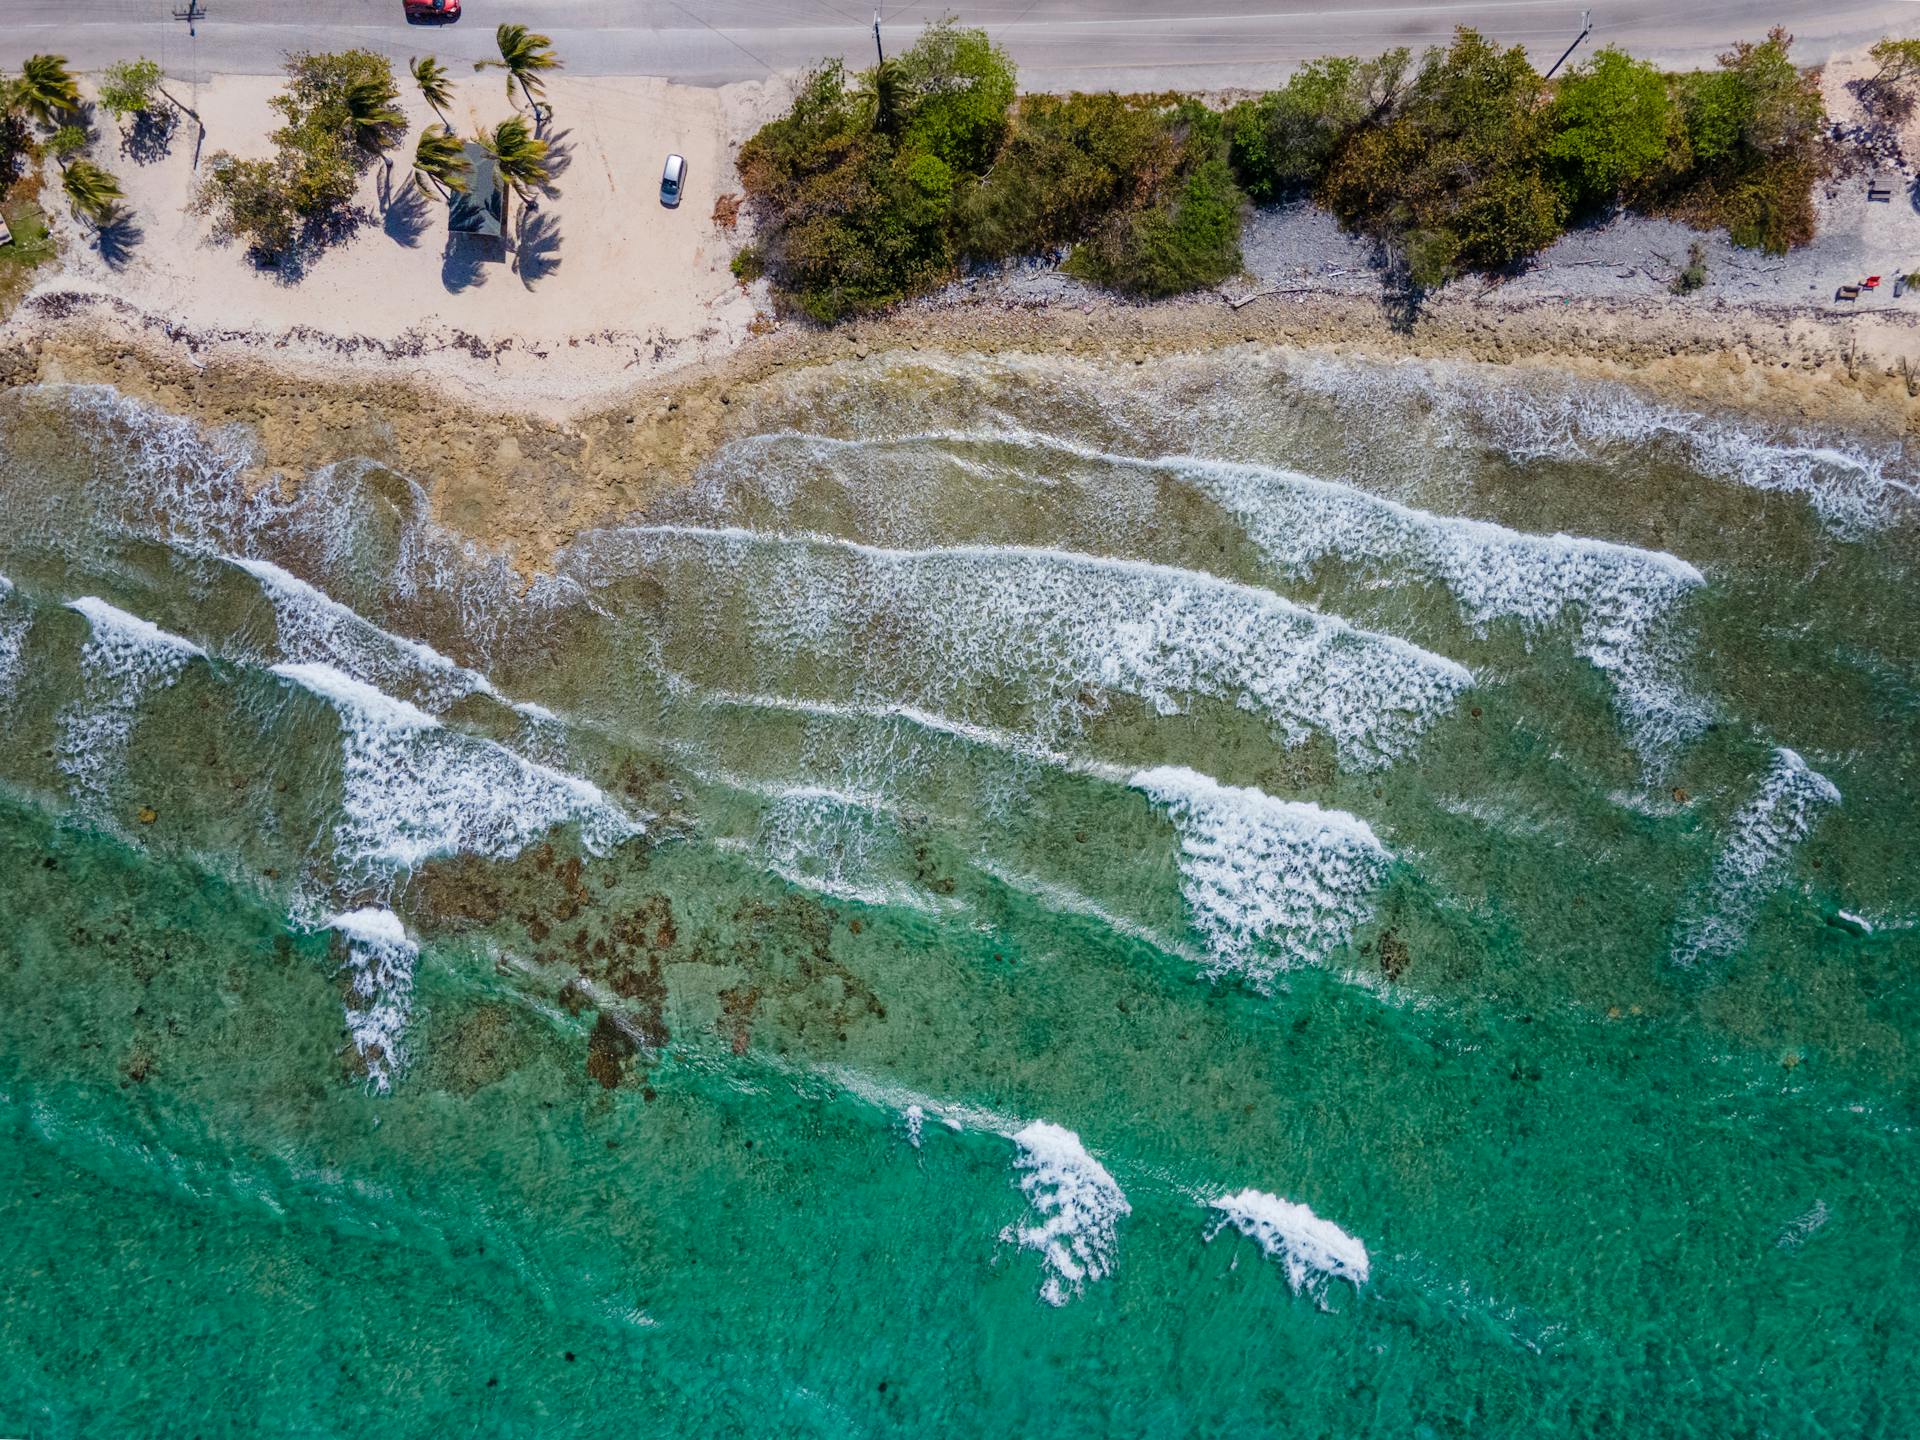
(538, 246)
(407, 217)
(463, 266)
(118, 237)
(559, 158)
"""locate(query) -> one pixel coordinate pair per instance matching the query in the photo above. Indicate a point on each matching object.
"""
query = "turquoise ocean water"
(1256, 895)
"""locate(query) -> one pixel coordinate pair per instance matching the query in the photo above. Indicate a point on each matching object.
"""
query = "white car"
(673, 180)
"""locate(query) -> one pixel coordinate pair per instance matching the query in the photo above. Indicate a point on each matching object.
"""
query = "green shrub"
(1068, 165)
(1181, 234)
(959, 87)
(129, 87)
(1888, 93)
(1694, 274)
(251, 201)
(1612, 126)
(853, 191)
(1283, 142)
(319, 154)
(1454, 178)
(748, 264)
(67, 141)
(1748, 154)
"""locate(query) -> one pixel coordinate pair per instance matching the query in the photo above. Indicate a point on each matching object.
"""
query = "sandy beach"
(599, 286)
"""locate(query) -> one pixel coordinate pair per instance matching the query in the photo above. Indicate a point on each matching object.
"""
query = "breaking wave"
(1270, 884)
(313, 627)
(1312, 1252)
(123, 659)
(1077, 1207)
(941, 628)
(1531, 417)
(414, 789)
(380, 960)
(1759, 847)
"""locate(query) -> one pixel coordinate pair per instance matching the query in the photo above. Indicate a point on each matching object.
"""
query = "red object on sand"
(1872, 282)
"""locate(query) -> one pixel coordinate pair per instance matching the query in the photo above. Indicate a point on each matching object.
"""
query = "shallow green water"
(889, 942)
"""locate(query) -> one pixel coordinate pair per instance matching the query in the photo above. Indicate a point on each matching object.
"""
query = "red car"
(430, 11)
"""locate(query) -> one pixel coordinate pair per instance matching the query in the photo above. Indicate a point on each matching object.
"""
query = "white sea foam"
(1006, 742)
(380, 957)
(940, 628)
(414, 789)
(123, 659)
(1077, 1207)
(13, 635)
(315, 628)
(1620, 595)
(1754, 860)
(1530, 417)
(1270, 884)
(1865, 925)
(1313, 1252)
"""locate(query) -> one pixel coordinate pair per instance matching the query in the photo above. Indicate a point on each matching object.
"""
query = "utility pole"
(880, 54)
(1586, 29)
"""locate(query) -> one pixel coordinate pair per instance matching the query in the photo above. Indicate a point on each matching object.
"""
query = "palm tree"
(91, 191)
(440, 163)
(882, 91)
(375, 120)
(45, 89)
(520, 159)
(431, 76)
(523, 56)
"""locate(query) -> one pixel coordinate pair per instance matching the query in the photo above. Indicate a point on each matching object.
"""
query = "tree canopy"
(1612, 125)
(880, 185)
(338, 110)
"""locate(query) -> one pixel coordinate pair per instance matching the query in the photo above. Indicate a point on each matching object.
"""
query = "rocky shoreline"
(527, 482)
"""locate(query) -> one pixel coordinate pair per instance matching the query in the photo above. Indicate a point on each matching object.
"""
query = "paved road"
(1092, 44)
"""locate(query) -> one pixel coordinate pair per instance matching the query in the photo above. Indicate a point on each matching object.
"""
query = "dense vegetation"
(879, 186)
(339, 112)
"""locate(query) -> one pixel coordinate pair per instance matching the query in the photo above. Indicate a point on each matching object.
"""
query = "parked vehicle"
(673, 181)
(431, 12)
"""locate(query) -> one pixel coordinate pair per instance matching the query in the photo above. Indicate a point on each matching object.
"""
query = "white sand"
(625, 289)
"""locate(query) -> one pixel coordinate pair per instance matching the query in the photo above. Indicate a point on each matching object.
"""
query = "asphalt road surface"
(1058, 44)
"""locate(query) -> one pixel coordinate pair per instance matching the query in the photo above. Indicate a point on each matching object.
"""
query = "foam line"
(380, 960)
(1756, 857)
(123, 659)
(13, 636)
(314, 627)
(1062, 625)
(1061, 900)
(1269, 884)
(1618, 594)
(414, 789)
(1077, 1208)
(1313, 1252)
(1850, 489)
